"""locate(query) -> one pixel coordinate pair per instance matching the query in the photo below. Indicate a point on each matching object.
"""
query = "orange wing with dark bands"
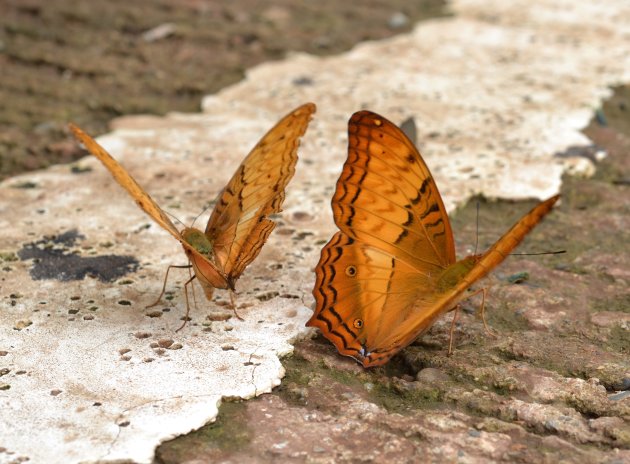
(239, 225)
(388, 274)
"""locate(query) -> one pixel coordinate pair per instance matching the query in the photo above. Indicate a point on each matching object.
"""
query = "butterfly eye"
(351, 271)
(358, 323)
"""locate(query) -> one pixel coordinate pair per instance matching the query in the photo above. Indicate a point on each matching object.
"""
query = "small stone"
(165, 342)
(518, 278)
(398, 20)
(302, 216)
(219, 317)
(159, 32)
(22, 324)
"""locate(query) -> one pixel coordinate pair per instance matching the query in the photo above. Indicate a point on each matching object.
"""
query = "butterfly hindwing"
(365, 297)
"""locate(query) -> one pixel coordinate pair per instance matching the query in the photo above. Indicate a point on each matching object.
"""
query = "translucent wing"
(239, 225)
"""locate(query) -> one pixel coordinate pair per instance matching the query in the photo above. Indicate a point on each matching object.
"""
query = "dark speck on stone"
(303, 81)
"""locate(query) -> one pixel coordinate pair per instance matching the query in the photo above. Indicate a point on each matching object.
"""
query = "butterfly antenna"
(211, 204)
(197, 217)
(175, 218)
(557, 252)
(477, 226)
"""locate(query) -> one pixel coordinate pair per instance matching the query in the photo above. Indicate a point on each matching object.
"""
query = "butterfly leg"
(482, 309)
(159, 298)
(233, 303)
(186, 318)
(452, 331)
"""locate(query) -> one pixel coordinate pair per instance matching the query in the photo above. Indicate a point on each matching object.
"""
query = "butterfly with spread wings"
(239, 224)
(391, 271)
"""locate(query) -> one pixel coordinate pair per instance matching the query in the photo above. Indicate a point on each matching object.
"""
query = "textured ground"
(552, 387)
(91, 61)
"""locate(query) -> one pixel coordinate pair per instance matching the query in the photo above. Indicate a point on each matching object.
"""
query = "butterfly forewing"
(119, 173)
(238, 225)
(387, 197)
(206, 270)
(504, 246)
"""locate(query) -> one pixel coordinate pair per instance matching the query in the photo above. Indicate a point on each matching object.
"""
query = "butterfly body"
(238, 226)
(200, 255)
(391, 270)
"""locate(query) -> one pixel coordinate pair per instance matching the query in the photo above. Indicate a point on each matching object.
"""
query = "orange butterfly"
(391, 271)
(239, 225)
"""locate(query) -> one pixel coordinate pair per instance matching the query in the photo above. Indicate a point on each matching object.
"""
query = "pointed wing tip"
(551, 200)
(76, 130)
(359, 115)
(81, 136)
(308, 107)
